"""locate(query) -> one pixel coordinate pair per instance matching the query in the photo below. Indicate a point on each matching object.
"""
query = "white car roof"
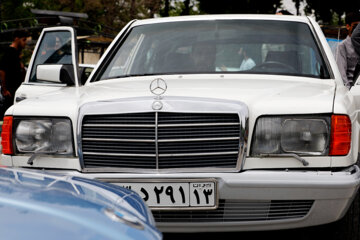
(224, 17)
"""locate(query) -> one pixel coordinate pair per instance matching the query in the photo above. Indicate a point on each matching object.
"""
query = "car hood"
(69, 206)
(263, 94)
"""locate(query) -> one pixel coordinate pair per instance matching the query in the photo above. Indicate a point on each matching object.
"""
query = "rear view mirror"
(56, 73)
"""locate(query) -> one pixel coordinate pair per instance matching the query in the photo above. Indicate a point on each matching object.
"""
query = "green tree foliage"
(331, 11)
(113, 13)
(239, 6)
(116, 13)
(11, 8)
(179, 7)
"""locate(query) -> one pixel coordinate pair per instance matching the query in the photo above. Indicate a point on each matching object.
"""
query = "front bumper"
(330, 195)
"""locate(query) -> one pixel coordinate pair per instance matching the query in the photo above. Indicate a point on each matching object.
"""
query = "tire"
(347, 228)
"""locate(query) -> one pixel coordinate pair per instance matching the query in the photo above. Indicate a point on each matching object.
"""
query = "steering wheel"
(272, 64)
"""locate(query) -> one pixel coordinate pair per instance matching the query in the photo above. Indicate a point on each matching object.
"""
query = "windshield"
(221, 46)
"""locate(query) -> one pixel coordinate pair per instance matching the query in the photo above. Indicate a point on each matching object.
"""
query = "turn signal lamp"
(6, 135)
(340, 138)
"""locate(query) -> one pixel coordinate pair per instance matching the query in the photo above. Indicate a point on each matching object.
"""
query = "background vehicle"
(171, 112)
(38, 205)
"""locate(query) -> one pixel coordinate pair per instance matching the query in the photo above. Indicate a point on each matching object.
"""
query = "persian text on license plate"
(175, 194)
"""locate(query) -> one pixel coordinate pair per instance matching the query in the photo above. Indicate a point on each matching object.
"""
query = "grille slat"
(200, 139)
(119, 154)
(134, 118)
(197, 147)
(120, 147)
(237, 211)
(125, 162)
(179, 118)
(144, 165)
(109, 125)
(100, 140)
(198, 125)
(199, 132)
(182, 140)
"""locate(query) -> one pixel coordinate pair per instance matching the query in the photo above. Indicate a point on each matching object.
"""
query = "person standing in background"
(355, 40)
(346, 56)
(12, 71)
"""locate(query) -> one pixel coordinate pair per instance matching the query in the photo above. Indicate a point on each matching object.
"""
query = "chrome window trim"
(44, 84)
(174, 105)
(321, 49)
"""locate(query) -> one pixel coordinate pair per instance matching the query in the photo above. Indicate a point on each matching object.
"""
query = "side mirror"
(56, 73)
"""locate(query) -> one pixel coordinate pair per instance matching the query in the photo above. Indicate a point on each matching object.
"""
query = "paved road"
(297, 234)
(278, 235)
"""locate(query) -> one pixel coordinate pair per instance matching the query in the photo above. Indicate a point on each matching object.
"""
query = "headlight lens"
(300, 135)
(44, 135)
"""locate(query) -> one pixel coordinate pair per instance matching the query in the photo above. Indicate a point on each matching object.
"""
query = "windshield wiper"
(297, 157)
(131, 75)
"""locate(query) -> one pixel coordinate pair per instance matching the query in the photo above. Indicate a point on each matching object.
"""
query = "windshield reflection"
(222, 46)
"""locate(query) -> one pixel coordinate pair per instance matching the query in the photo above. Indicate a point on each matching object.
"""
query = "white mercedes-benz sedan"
(220, 123)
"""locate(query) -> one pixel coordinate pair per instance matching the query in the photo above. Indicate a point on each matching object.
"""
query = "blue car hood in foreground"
(39, 205)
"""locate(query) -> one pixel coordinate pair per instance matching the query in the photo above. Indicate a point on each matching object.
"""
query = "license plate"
(194, 194)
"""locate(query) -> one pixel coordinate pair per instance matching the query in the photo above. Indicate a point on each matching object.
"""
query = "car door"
(55, 49)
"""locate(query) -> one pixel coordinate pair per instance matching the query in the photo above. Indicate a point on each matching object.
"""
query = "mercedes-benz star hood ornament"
(158, 87)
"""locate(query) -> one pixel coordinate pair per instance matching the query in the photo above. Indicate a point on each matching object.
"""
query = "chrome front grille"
(240, 211)
(161, 140)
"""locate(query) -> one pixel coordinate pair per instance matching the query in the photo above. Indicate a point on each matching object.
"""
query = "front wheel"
(347, 228)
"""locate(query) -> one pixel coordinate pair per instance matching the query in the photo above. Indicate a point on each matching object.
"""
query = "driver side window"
(55, 48)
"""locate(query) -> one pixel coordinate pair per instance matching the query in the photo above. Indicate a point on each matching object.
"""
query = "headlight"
(43, 135)
(292, 134)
